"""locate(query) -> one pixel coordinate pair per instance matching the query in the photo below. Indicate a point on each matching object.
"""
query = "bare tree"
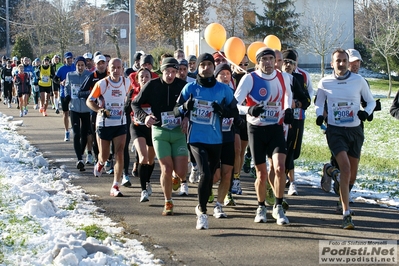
(322, 31)
(113, 34)
(231, 14)
(383, 31)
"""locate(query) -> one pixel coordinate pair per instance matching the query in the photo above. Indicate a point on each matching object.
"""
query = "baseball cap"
(68, 55)
(354, 55)
(183, 62)
(192, 58)
(15, 58)
(88, 56)
(99, 58)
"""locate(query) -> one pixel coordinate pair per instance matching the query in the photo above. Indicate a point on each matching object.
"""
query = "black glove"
(240, 123)
(362, 115)
(189, 104)
(319, 120)
(377, 105)
(256, 110)
(288, 116)
(370, 117)
(105, 113)
(218, 109)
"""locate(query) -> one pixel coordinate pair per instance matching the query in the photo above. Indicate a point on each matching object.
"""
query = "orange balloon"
(234, 49)
(272, 42)
(252, 49)
(215, 36)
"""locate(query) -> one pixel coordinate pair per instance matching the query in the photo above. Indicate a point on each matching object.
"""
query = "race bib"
(116, 110)
(8, 79)
(147, 110)
(226, 124)
(343, 112)
(74, 91)
(169, 121)
(202, 112)
(45, 78)
(271, 113)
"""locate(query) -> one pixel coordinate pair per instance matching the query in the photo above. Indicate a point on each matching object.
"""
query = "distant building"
(117, 19)
(194, 42)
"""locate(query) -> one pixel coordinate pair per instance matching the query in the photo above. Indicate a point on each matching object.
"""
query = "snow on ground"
(41, 213)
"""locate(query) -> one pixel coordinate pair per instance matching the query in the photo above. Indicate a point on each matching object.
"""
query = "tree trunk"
(322, 66)
(389, 77)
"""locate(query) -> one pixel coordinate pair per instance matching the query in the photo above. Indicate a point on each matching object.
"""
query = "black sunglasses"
(246, 64)
(289, 61)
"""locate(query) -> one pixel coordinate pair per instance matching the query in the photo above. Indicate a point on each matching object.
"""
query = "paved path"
(236, 240)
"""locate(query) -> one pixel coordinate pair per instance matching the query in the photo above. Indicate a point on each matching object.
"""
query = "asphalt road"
(236, 240)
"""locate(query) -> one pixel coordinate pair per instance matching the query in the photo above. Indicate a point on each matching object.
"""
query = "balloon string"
(232, 63)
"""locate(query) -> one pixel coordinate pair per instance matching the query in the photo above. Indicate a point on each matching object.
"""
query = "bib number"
(169, 121)
(343, 112)
(271, 113)
(202, 112)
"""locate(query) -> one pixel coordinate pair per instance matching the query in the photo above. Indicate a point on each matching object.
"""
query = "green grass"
(94, 231)
(382, 84)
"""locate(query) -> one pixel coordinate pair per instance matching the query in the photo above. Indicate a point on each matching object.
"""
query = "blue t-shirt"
(62, 73)
(205, 125)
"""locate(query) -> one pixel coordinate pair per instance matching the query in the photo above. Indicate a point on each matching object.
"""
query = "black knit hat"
(80, 58)
(289, 54)
(205, 57)
(221, 67)
(264, 51)
(169, 62)
(146, 58)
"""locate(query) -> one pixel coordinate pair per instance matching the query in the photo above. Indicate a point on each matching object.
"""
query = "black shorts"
(108, 133)
(244, 130)
(348, 139)
(56, 87)
(266, 141)
(227, 155)
(65, 104)
(45, 89)
(141, 131)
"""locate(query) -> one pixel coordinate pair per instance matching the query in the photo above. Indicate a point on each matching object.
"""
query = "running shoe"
(25, 111)
(247, 164)
(270, 199)
(80, 165)
(115, 192)
(193, 174)
(66, 138)
(218, 211)
(279, 215)
(292, 191)
(149, 188)
(261, 214)
(57, 111)
(252, 172)
(211, 197)
(126, 181)
(325, 182)
(347, 222)
(9, 105)
(202, 219)
(98, 169)
(44, 113)
(236, 188)
(41, 110)
(183, 189)
(168, 209)
(229, 200)
(21, 113)
(89, 159)
(175, 183)
(144, 196)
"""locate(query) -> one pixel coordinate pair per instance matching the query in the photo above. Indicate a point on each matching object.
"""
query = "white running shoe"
(144, 196)
(149, 188)
(126, 181)
(115, 192)
(89, 159)
(218, 212)
(193, 174)
(98, 169)
(278, 214)
(236, 188)
(66, 136)
(261, 215)
(183, 189)
(202, 219)
(292, 190)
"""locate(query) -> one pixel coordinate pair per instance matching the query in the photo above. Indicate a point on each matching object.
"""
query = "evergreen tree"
(118, 5)
(278, 18)
(22, 48)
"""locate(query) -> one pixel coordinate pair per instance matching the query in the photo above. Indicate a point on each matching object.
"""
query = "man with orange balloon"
(268, 105)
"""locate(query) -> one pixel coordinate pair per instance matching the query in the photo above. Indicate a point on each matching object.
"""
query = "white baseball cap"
(88, 56)
(354, 55)
(99, 58)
